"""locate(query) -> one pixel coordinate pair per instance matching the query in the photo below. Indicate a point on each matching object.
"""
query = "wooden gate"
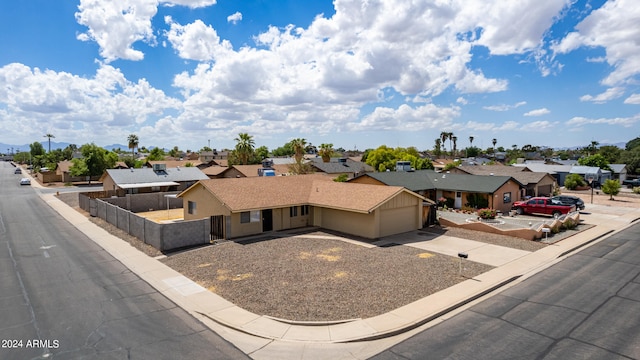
(217, 228)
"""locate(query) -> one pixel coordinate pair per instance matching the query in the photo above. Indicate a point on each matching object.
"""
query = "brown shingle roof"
(253, 193)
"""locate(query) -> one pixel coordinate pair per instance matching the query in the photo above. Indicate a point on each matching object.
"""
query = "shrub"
(487, 213)
(611, 188)
(569, 224)
(573, 181)
(636, 190)
(477, 201)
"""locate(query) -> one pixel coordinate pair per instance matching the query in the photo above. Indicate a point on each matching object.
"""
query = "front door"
(267, 220)
(458, 201)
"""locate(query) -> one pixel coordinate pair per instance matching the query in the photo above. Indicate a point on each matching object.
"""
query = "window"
(250, 216)
(304, 210)
(506, 197)
(191, 207)
(293, 211)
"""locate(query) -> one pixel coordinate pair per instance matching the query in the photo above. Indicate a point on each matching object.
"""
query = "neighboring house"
(618, 172)
(237, 171)
(206, 156)
(147, 180)
(214, 171)
(559, 172)
(534, 183)
(254, 205)
(339, 166)
(175, 163)
(440, 164)
(500, 192)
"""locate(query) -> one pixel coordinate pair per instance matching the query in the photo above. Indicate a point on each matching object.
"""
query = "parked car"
(18, 171)
(569, 200)
(632, 182)
(542, 205)
(25, 181)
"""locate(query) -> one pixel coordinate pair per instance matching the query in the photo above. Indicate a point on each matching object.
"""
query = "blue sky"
(358, 74)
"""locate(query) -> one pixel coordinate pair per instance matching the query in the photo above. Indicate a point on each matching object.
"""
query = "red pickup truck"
(542, 205)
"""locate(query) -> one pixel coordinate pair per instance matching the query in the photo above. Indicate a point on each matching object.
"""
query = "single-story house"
(339, 166)
(559, 172)
(461, 190)
(237, 171)
(147, 180)
(534, 183)
(618, 172)
(253, 205)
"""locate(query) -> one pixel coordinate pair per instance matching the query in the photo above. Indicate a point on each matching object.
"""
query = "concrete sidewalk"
(512, 264)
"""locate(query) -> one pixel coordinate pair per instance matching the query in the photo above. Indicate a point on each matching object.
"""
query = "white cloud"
(196, 41)
(512, 27)
(609, 94)
(626, 122)
(234, 18)
(406, 118)
(504, 107)
(613, 27)
(538, 112)
(81, 107)
(633, 99)
(116, 25)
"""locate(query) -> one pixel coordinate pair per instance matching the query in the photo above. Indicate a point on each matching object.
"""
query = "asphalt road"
(63, 297)
(584, 307)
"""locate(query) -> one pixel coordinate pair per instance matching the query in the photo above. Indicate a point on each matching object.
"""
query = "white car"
(25, 181)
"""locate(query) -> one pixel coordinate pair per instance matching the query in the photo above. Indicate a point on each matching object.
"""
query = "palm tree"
(454, 151)
(470, 144)
(48, 135)
(494, 142)
(443, 137)
(299, 146)
(244, 147)
(133, 144)
(325, 152)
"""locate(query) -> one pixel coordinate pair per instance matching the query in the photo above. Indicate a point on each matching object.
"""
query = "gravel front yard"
(314, 279)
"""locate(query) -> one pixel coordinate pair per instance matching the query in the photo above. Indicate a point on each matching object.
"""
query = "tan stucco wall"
(238, 229)
(108, 184)
(498, 203)
(347, 222)
(206, 204)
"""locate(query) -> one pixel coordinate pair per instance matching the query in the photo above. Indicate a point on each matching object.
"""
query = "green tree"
(472, 151)
(285, 150)
(95, 160)
(244, 147)
(596, 160)
(437, 147)
(610, 153)
(174, 153)
(341, 178)
(299, 145)
(156, 154)
(632, 159)
(262, 153)
(69, 151)
(384, 158)
(326, 150)
(611, 188)
(573, 181)
(36, 149)
(632, 144)
(133, 142)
